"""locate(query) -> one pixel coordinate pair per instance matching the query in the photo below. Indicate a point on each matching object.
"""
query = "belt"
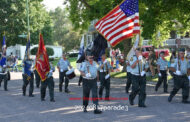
(162, 70)
(135, 74)
(89, 78)
(102, 71)
(183, 75)
(63, 70)
(3, 73)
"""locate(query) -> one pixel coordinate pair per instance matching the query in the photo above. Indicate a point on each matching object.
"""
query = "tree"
(50, 51)
(13, 21)
(82, 12)
(160, 16)
(64, 33)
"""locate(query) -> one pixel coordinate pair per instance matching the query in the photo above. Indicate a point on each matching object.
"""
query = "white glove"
(143, 73)
(88, 75)
(98, 83)
(4, 66)
(189, 78)
(51, 71)
(159, 75)
(107, 76)
(178, 72)
(105, 61)
(140, 57)
(61, 70)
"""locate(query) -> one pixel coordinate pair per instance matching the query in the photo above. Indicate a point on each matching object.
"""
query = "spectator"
(152, 61)
(15, 62)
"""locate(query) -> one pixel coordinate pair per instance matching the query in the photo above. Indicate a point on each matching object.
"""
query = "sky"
(52, 4)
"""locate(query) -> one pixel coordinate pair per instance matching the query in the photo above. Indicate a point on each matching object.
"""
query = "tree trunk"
(127, 46)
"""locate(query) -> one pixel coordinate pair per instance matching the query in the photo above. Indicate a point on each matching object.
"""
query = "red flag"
(120, 23)
(42, 62)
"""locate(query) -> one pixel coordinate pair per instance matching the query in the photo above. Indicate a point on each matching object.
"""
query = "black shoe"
(37, 87)
(130, 100)
(42, 99)
(78, 84)
(67, 91)
(169, 99)
(31, 95)
(60, 89)
(24, 94)
(165, 91)
(85, 111)
(52, 100)
(144, 106)
(97, 111)
(100, 97)
(127, 91)
(185, 102)
(6, 89)
(107, 98)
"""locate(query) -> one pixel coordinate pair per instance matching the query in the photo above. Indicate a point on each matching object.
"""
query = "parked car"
(146, 49)
(145, 53)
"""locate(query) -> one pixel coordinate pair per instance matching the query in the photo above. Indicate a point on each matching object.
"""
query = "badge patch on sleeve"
(131, 59)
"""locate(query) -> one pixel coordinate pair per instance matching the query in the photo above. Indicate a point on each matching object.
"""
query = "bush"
(50, 51)
(73, 55)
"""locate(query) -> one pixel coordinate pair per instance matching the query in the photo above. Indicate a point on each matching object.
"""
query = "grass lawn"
(71, 60)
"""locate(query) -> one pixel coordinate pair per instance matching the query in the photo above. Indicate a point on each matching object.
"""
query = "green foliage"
(13, 20)
(63, 33)
(50, 51)
(155, 15)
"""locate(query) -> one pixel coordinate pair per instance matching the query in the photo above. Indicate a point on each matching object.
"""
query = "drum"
(70, 74)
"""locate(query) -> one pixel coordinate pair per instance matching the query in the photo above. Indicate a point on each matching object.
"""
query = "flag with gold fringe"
(42, 62)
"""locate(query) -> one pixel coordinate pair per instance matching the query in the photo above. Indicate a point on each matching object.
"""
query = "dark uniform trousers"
(37, 77)
(129, 81)
(50, 83)
(62, 78)
(181, 82)
(87, 86)
(161, 79)
(138, 87)
(104, 83)
(26, 82)
(80, 80)
(5, 78)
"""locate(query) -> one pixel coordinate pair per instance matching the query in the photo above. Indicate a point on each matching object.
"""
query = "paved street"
(15, 107)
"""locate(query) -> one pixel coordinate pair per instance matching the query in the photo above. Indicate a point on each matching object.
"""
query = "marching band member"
(28, 77)
(89, 71)
(162, 72)
(62, 66)
(37, 76)
(50, 83)
(180, 66)
(104, 76)
(138, 70)
(129, 81)
(3, 71)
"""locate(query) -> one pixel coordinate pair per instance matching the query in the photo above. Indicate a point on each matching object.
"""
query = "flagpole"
(28, 20)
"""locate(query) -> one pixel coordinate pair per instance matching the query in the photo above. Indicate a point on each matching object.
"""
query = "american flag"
(120, 23)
